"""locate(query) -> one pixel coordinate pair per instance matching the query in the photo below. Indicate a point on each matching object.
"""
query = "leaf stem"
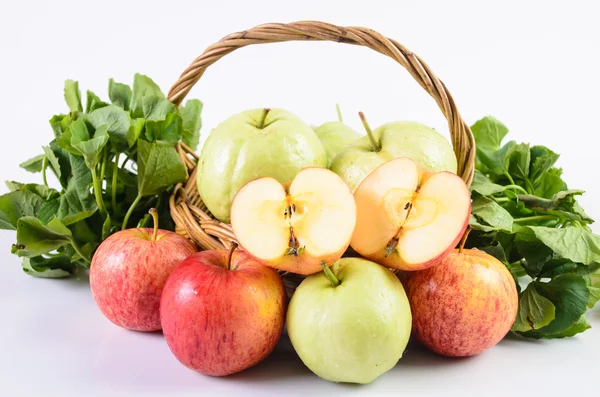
(98, 191)
(510, 178)
(103, 166)
(79, 252)
(130, 211)
(534, 218)
(530, 188)
(44, 167)
(113, 190)
(329, 274)
(501, 199)
(517, 187)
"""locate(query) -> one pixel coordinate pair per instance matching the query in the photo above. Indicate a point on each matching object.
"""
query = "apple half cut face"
(408, 218)
(296, 225)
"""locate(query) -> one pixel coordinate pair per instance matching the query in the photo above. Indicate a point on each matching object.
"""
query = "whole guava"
(253, 144)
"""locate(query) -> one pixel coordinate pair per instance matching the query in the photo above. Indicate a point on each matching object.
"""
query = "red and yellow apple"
(464, 305)
(222, 312)
(408, 218)
(128, 273)
(297, 225)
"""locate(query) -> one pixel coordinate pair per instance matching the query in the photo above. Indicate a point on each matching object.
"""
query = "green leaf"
(558, 266)
(134, 131)
(157, 107)
(91, 149)
(488, 133)
(542, 159)
(549, 183)
(59, 123)
(570, 295)
(54, 267)
(484, 186)
(535, 311)
(476, 225)
(487, 210)
(117, 120)
(142, 86)
(93, 102)
(579, 326)
(159, 166)
(53, 162)
(497, 162)
(33, 164)
(575, 243)
(17, 204)
(168, 130)
(73, 96)
(49, 210)
(35, 238)
(77, 202)
(192, 122)
(45, 192)
(119, 94)
(106, 227)
(535, 252)
(519, 161)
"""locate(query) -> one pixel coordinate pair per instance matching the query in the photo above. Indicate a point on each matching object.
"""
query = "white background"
(532, 64)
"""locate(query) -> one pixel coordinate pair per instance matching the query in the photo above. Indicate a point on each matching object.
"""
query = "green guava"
(253, 144)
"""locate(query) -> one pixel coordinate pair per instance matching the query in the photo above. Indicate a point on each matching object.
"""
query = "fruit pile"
(348, 212)
(371, 223)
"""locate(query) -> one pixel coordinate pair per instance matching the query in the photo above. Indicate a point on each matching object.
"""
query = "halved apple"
(296, 225)
(408, 218)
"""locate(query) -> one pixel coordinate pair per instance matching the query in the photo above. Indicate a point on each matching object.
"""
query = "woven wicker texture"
(187, 209)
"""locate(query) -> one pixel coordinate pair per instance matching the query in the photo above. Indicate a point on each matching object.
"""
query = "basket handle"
(461, 136)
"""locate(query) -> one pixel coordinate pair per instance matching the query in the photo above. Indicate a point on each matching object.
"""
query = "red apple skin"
(128, 273)
(464, 305)
(220, 321)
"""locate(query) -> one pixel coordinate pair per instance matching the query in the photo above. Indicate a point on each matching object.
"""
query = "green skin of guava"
(426, 147)
(335, 136)
(354, 332)
(238, 151)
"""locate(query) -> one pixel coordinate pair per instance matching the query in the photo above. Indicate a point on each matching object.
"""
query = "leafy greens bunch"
(524, 214)
(114, 161)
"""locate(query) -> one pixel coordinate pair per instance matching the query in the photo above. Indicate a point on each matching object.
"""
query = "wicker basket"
(191, 216)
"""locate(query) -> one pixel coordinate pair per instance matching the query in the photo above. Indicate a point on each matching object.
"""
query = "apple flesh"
(128, 273)
(422, 144)
(407, 218)
(220, 315)
(464, 305)
(253, 144)
(351, 323)
(295, 226)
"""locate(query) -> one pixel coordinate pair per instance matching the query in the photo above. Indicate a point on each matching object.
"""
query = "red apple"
(464, 305)
(222, 312)
(128, 273)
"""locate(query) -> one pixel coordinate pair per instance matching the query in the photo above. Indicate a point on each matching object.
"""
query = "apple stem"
(329, 274)
(234, 245)
(154, 214)
(376, 147)
(339, 112)
(463, 240)
(261, 123)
